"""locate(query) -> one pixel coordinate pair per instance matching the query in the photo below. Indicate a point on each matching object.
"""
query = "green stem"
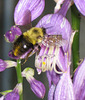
(19, 76)
(75, 26)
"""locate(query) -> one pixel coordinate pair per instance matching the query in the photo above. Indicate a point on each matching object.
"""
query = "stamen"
(48, 59)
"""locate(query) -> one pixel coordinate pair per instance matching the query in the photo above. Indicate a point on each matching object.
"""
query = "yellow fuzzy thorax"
(34, 35)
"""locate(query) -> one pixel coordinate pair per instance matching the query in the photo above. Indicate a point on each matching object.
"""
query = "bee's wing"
(27, 24)
(25, 27)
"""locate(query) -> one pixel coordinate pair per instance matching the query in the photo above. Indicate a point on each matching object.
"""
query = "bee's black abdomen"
(22, 45)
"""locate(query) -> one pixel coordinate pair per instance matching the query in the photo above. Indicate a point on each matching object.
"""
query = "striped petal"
(80, 4)
(64, 89)
(28, 10)
(79, 82)
(51, 92)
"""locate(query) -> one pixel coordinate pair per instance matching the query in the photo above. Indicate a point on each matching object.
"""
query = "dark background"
(8, 77)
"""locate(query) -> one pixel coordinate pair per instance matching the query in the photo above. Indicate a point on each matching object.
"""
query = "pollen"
(43, 63)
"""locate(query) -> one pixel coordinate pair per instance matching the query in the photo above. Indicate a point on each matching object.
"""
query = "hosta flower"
(12, 33)
(6, 64)
(36, 86)
(25, 12)
(66, 90)
(55, 44)
(14, 94)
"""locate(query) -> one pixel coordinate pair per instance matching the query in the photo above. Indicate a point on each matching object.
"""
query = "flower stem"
(19, 76)
(75, 26)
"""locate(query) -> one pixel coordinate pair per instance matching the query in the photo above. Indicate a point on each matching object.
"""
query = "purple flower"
(55, 44)
(66, 90)
(12, 96)
(12, 33)
(6, 64)
(36, 86)
(3, 65)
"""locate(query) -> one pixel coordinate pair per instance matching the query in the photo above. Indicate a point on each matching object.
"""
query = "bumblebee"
(28, 41)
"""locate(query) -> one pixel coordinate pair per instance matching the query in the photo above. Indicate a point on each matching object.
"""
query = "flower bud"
(6, 64)
(3, 65)
(12, 33)
(12, 96)
(36, 86)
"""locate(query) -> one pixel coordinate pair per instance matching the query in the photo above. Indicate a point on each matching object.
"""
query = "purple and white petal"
(51, 92)
(49, 78)
(66, 5)
(58, 5)
(12, 96)
(28, 10)
(3, 65)
(9, 36)
(12, 33)
(80, 4)
(37, 87)
(79, 82)
(54, 77)
(64, 89)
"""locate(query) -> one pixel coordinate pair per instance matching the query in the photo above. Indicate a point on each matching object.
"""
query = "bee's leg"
(28, 55)
(36, 49)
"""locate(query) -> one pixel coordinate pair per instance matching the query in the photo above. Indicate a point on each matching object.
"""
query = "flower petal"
(66, 5)
(11, 35)
(37, 87)
(56, 24)
(28, 10)
(51, 92)
(12, 96)
(49, 78)
(3, 65)
(61, 60)
(64, 89)
(58, 5)
(79, 82)
(53, 77)
(80, 5)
